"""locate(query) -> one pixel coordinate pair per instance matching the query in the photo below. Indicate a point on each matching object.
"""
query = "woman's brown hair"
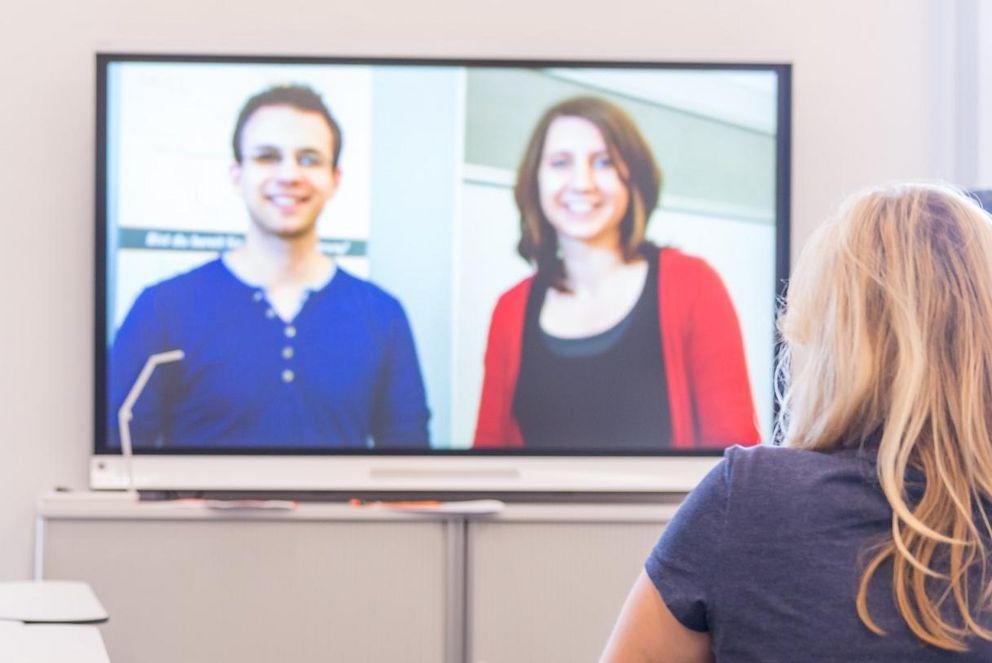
(635, 163)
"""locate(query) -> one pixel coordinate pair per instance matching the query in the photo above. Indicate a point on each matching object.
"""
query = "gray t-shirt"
(766, 555)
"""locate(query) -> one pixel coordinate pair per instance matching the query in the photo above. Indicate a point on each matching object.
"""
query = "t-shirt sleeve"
(686, 558)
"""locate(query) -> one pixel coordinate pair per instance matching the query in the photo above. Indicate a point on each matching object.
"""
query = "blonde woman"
(868, 537)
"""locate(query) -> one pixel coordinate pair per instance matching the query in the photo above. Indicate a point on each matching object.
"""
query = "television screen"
(302, 255)
(984, 198)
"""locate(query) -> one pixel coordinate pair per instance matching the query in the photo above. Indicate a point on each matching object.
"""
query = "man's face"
(285, 175)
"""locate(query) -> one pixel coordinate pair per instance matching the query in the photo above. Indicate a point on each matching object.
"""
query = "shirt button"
(287, 352)
(257, 296)
(269, 313)
(290, 331)
(288, 375)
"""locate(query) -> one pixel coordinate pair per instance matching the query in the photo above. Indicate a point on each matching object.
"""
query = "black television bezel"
(783, 206)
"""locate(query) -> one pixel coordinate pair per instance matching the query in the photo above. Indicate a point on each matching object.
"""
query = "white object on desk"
(126, 413)
(51, 643)
(53, 601)
(455, 507)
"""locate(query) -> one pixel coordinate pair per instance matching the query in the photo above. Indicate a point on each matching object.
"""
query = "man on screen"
(282, 347)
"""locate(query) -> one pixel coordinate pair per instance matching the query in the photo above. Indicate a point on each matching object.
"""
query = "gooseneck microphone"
(124, 414)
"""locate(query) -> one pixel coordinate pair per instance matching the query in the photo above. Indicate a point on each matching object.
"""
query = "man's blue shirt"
(343, 374)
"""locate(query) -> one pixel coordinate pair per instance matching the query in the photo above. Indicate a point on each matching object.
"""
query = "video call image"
(416, 257)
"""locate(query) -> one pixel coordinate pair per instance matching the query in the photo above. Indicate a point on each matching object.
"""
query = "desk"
(324, 582)
(48, 622)
(55, 602)
(332, 582)
(51, 643)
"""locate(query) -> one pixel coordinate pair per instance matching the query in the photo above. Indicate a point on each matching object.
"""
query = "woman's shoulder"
(514, 300)
(767, 458)
(771, 458)
(771, 474)
(678, 263)
(519, 290)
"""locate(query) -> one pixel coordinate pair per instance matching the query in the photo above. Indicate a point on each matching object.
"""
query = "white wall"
(866, 77)
(983, 143)
(964, 94)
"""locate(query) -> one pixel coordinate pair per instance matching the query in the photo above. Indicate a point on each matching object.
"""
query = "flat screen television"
(414, 274)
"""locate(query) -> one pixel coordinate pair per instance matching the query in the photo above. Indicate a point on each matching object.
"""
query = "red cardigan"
(709, 395)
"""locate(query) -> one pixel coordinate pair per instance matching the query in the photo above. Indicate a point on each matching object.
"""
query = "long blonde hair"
(888, 331)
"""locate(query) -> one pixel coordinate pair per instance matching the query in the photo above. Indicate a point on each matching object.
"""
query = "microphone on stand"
(124, 414)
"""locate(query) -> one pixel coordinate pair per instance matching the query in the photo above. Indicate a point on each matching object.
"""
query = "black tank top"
(604, 392)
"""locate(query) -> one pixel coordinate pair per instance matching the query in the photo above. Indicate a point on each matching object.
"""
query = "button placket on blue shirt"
(287, 375)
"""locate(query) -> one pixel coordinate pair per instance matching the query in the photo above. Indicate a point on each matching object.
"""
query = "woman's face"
(581, 188)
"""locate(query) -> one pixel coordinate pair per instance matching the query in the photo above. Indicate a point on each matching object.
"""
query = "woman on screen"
(868, 537)
(613, 343)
